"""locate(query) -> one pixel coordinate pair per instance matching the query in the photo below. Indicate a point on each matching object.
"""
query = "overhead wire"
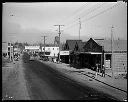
(103, 11)
(89, 11)
(74, 13)
(94, 7)
(97, 14)
(66, 19)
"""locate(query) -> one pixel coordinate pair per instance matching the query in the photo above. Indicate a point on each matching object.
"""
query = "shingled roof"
(118, 45)
(70, 44)
(79, 46)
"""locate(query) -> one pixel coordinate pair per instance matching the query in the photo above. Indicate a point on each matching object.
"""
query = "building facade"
(117, 63)
(88, 54)
(51, 51)
(68, 47)
(32, 49)
(7, 50)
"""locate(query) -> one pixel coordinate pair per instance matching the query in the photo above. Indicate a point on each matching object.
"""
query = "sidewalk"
(120, 84)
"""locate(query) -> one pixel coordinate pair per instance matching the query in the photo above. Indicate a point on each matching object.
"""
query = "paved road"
(45, 83)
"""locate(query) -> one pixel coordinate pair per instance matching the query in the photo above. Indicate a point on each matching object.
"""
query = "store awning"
(92, 53)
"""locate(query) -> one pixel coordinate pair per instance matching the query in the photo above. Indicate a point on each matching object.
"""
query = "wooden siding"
(92, 46)
(119, 60)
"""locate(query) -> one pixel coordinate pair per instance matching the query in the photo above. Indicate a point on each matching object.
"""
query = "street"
(45, 83)
(34, 80)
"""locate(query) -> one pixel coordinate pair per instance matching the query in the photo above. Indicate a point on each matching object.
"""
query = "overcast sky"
(27, 22)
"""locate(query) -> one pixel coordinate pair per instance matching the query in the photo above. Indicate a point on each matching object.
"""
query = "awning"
(92, 53)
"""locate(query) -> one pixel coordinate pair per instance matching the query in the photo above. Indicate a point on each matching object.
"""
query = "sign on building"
(64, 52)
(32, 47)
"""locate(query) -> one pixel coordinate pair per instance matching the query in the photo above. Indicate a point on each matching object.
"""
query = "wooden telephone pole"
(59, 39)
(44, 43)
(79, 27)
(112, 61)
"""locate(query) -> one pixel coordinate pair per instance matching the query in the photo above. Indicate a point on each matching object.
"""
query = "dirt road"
(13, 82)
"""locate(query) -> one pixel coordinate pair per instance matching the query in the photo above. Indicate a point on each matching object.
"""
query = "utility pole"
(44, 44)
(79, 27)
(102, 55)
(10, 51)
(59, 39)
(112, 51)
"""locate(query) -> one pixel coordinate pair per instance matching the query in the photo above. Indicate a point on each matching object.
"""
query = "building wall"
(32, 47)
(53, 50)
(119, 60)
(5, 47)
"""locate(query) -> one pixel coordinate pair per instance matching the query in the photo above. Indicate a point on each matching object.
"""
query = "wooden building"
(87, 55)
(119, 55)
(69, 46)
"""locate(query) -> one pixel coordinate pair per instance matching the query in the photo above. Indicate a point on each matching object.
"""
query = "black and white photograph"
(64, 51)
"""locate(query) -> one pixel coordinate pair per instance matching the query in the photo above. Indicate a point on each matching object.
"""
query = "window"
(53, 48)
(57, 48)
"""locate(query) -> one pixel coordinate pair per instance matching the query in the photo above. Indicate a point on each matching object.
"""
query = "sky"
(28, 22)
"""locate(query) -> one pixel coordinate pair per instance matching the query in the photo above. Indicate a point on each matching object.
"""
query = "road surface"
(34, 80)
(45, 83)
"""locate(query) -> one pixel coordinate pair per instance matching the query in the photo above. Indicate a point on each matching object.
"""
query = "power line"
(88, 10)
(74, 13)
(97, 6)
(99, 13)
(103, 11)
(94, 9)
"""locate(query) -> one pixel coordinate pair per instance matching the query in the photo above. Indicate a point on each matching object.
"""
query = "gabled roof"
(79, 46)
(70, 44)
(92, 46)
(118, 45)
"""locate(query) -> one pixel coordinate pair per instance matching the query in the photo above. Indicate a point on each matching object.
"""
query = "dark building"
(69, 46)
(87, 55)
